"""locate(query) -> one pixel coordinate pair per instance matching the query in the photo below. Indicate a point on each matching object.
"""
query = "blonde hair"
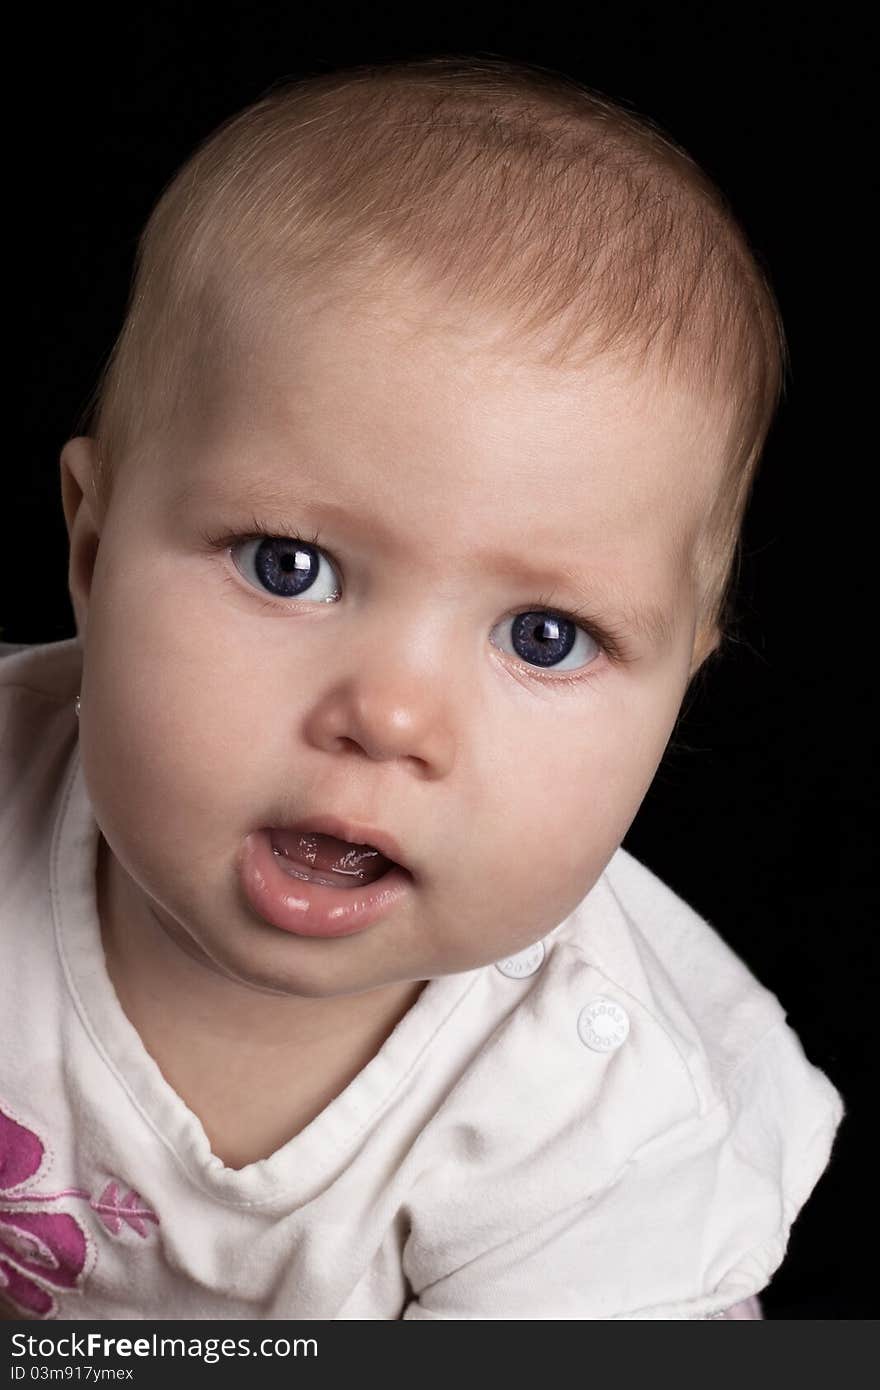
(515, 188)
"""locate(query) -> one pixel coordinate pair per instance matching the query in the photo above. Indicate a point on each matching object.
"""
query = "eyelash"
(612, 642)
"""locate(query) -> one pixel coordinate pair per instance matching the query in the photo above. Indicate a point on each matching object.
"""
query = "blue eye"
(286, 568)
(546, 638)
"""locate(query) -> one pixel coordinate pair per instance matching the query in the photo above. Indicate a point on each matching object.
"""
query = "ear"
(78, 462)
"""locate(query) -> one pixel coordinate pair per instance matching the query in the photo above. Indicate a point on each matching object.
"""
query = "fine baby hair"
(515, 190)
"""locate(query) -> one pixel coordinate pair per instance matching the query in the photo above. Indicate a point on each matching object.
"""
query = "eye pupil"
(543, 639)
(278, 557)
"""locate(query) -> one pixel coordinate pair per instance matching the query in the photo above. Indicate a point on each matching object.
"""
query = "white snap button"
(603, 1024)
(523, 963)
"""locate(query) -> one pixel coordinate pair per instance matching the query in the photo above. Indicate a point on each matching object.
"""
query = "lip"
(313, 909)
(350, 830)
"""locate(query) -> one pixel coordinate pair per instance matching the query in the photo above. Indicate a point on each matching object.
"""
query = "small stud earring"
(76, 706)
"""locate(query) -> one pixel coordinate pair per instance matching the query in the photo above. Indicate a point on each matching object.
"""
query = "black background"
(757, 814)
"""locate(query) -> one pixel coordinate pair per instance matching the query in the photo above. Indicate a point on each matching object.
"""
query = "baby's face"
(453, 491)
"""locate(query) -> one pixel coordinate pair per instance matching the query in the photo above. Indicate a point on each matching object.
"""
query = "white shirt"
(617, 1124)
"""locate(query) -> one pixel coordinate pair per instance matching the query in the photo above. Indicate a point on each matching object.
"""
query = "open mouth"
(318, 858)
(302, 881)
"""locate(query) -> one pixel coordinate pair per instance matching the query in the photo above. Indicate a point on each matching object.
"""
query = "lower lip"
(313, 909)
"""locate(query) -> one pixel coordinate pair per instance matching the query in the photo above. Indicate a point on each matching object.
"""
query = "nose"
(383, 711)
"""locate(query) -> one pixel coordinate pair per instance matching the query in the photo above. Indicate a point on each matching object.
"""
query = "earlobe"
(77, 464)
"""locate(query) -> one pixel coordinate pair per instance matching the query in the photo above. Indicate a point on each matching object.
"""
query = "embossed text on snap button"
(523, 963)
(603, 1024)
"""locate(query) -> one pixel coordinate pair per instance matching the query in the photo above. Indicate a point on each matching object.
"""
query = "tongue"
(336, 861)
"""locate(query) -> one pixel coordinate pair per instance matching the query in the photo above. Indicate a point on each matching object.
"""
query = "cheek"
(164, 736)
(573, 790)
(166, 638)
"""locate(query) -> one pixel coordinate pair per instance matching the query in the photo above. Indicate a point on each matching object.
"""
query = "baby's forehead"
(412, 329)
(431, 383)
(441, 429)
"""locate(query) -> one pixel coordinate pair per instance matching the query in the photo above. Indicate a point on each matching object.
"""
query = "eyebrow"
(273, 507)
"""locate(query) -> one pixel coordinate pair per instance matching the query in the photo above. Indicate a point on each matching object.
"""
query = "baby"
(404, 520)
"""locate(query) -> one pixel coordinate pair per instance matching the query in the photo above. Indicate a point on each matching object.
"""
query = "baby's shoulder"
(49, 669)
(38, 686)
(631, 1035)
(624, 1141)
(37, 679)
(668, 970)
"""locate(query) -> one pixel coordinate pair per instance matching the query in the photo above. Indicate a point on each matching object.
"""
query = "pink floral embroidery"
(39, 1251)
(130, 1210)
(44, 1252)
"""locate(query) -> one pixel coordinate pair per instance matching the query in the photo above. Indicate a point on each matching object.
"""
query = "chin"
(266, 978)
